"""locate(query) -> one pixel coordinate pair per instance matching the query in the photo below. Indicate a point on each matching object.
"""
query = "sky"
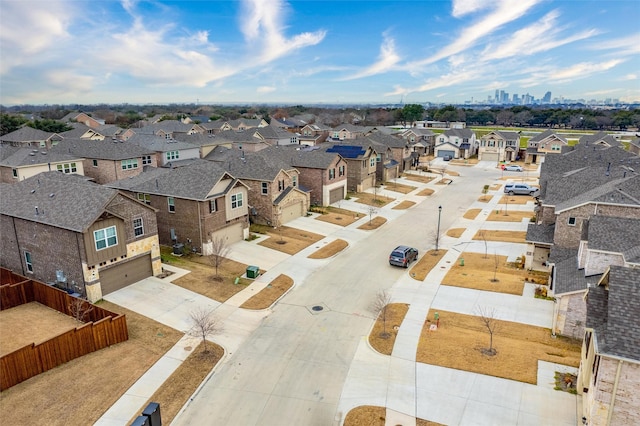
(352, 51)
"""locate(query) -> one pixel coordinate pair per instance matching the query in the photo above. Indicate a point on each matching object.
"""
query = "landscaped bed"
(329, 250)
(289, 240)
(497, 235)
(427, 262)
(268, 295)
(337, 216)
(506, 215)
(404, 205)
(398, 187)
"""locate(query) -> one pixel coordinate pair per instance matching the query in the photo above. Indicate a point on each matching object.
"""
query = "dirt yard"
(369, 199)
(456, 232)
(395, 314)
(426, 192)
(398, 187)
(404, 205)
(268, 295)
(506, 236)
(418, 178)
(472, 213)
(516, 199)
(289, 240)
(369, 415)
(420, 270)
(506, 215)
(339, 216)
(460, 339)
(374, 223)
(329, 250)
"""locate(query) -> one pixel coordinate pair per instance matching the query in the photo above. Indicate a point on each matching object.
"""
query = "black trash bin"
(141, 421)
(178, 249)
(153, 412)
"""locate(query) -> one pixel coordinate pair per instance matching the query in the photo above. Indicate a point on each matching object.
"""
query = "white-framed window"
(171, 203)
(491, 143)
(341, 171)
(67, 168)
(213, 205)
(236, 200)
(294, 181)
(145, 198)
(105, 238)
(131, 163)
(378, 158)
(146, 159)
(571, 221)
(14, 172)
(173, 155)
(372, 161)
(28, 262)
(138, 228)
(555, 147)
(264, 188)
(281, 185)
(95, 163)
(332, 173)
(293, 140)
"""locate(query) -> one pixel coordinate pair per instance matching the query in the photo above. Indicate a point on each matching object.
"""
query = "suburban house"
(634, 146)
(108, 161)
(102, 239)
(323, 174)
(169, 128)
(609, 375)
(456, 143)
(29, 137)
(240, 140)
(542, 144)
(197, 204)
(272, 135)
(348, 131)
(421, 141)
(83, 118)
(310, 130)
(205, 142)
(167, 151)
(398, 155)
(17, 163)
(239, 125)
(499, 145)
(361, 165)
(275, 196)
(601, 139)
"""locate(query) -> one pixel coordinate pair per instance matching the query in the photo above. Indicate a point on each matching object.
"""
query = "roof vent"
(52, 195)
(33, 191)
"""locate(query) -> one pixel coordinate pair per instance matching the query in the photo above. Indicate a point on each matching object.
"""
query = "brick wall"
(110, 171)
(572, 315)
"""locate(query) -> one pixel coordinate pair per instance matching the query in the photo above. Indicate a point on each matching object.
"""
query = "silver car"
(403, 256)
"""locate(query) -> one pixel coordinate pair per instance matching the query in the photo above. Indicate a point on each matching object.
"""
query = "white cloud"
(265, 89)
(387, 59)
(447, 80)
(582, 70)
(464, 7)
(629, 45)
(629, 77)
(538, 37)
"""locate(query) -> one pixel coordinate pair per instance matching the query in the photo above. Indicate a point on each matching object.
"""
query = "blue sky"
(274, 51)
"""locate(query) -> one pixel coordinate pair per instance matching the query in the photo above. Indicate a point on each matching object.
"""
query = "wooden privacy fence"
(103, 328)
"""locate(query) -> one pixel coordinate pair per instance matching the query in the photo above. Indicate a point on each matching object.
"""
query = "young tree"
(204, 324)
(379, 309)
(79, 308)
(372, 210)
(489, 321)
(219, 252)
(495, 268)
(435, 238)
(484, 239)
(485, 191)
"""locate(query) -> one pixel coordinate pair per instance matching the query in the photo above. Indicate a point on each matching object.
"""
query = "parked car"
(403, 256)
(512, 168)
(520, 189)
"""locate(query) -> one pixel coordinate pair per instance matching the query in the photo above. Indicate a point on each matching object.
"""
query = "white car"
(513, 168)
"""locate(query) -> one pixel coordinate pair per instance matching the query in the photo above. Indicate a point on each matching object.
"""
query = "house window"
(294, 181)
(27, 261)
(213, 205)
(341, 171)
(105, 237)
(281, 185)
(172, 204)
(173, 155)
(146, 159)
(332, 173)
(264, 188)
(95, 163)
(145, 198)
(67, 168)
(441, 140)
(491, 143)
(555, 147)
(372, 161)
(138, 229)
(336, 135)
(571, 221)
(236, 201)
(378, 158)
(15, 173)
(293, 140)
(132, 163)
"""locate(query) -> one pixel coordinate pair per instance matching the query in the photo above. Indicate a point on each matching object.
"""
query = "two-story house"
(421, 141)
(17, 163)
(196, 204)
(348, 131)
(168, 152)
(108, 161)
(63, 229)
(361, 165)
(601, 139)
(542, 144)
(456, 143)
(272, 135)
(169, 128)
(499, 145)
(29, 137)
(83, 118)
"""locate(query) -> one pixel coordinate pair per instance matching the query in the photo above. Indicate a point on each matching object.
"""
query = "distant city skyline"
(312, 52)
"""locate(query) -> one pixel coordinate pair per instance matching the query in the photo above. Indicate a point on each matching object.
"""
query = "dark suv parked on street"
(403, 256)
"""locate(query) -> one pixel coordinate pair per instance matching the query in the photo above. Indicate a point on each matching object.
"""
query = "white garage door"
(489, 156)
(446, 153)
(291, 212)
(230, 234)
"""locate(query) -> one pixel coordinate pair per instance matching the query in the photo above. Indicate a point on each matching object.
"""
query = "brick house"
(499, 145)
(90, 239)
(275, 195)
(399, 152)
(83, 118)
(272, 135)
(166, 151)
(421, 142)
(29, 137)
(456, 143)
(542, 144)
(361, 165)
(348, 131)
(609, 375)
(169, 128)
(108, 161)
(17, 164)
(196, 204)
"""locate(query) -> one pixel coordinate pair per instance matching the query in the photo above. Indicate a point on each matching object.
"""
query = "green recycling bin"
(461, 261)
(253, 272)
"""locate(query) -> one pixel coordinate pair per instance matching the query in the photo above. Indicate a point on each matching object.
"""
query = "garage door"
(291, 212)
(123, 274)
(230, 234)
(443, 153)
(489, 156)
(336, 195)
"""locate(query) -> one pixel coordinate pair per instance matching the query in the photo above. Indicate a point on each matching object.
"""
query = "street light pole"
(438, 232)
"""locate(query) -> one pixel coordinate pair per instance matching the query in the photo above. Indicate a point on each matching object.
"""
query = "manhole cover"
(317, 308)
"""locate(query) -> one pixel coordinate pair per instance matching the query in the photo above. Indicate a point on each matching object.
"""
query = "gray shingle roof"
(597, 138)
(547, 133)
(461, 133)
(313, 157)
(30, 156)
(169, 126)
(614, 314)
(199, 139)
(252, 165)
(63, 200)
(614, 234)
(194, 181)
(105, 150)
(568, 278)
(78, 130)
(540, 233)
(387, 140)
(158, 143)
(241, 137)
(27, 134)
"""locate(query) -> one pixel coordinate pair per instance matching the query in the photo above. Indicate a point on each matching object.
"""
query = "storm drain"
(317, 308)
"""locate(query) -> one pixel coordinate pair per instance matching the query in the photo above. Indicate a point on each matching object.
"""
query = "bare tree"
(79, 308)
(219, 252)
(488, 318)
(379, 308)
(435, 238)
(495, 269)
(372, 210)
(204, 324)
(484, 239)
